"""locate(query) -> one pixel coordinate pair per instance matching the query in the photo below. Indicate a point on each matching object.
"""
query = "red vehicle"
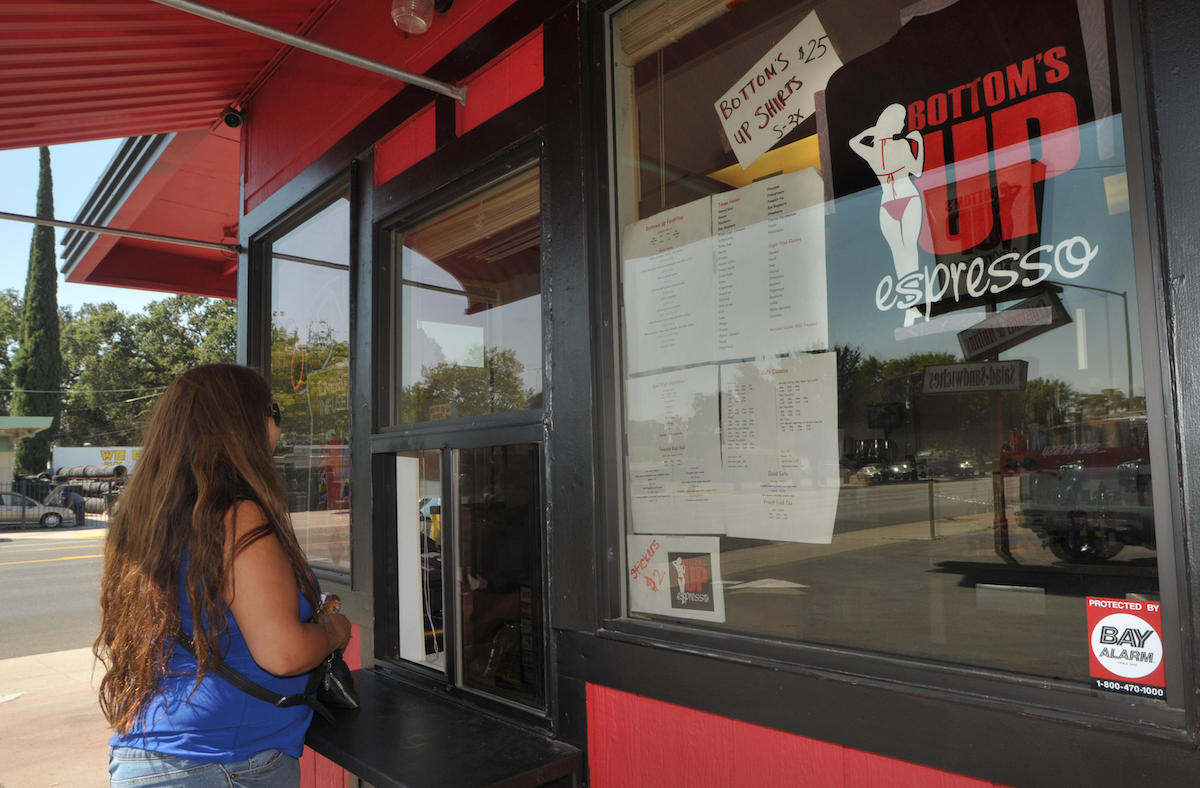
(1083, 488)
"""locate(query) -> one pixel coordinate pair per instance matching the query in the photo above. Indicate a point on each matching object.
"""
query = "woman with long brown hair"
(201, 543)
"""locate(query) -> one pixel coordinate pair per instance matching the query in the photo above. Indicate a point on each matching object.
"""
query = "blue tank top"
(219, 723)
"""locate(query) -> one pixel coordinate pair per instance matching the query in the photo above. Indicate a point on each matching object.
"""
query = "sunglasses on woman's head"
(276, 414)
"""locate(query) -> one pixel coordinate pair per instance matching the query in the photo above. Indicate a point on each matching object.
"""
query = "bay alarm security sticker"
(1126, 646)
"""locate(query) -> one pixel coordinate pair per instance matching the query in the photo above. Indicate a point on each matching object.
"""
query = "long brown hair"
(205, 448)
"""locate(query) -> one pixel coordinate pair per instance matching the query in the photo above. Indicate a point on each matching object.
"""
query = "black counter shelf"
(404, 736)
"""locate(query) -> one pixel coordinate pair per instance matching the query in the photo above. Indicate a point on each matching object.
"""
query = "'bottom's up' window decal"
(676, 576)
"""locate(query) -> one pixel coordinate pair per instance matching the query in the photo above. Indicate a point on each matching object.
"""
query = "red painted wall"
(317, 771)
(411, 141)
(311, 102)
(635, 741)
(506, 80)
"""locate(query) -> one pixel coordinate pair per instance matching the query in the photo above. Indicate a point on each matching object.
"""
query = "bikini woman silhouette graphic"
(897, 159)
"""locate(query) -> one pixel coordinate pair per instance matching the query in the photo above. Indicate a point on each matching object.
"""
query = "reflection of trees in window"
(968, 423)
(311, 383)
(311, 379)
(1048, 402)
(452, 390)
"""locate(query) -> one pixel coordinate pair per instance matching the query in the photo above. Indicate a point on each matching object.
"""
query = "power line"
(83, 391)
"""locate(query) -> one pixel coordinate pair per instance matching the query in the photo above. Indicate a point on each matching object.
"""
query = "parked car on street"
(871, 474)
(17, 509)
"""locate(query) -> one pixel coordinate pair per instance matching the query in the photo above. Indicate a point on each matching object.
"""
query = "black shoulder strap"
(254, 689)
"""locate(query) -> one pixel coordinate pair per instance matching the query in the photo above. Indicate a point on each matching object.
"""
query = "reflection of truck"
(98, 473)
(1083, 488)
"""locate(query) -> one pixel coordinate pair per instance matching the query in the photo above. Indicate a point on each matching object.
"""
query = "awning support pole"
(455, 92)
(96, 228)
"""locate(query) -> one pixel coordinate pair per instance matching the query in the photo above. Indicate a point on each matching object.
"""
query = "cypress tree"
(37, 364)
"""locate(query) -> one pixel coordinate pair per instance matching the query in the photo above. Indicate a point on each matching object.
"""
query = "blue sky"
(76, 169)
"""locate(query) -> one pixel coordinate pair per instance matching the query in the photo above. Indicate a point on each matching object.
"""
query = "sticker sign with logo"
(676, 576)
(956, 154)
(1126, 654)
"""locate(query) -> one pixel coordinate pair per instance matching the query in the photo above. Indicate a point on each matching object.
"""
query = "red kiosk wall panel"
(506, 80)
(412, 140)
(317, 771)
(311, 102)
(635, 741)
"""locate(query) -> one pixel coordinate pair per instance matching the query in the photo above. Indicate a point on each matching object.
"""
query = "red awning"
(96, 69)
(183, 185)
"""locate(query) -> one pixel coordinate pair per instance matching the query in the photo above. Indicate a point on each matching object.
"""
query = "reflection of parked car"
(1083, 488)
(964, 469)
(16, 508)
(870, 474)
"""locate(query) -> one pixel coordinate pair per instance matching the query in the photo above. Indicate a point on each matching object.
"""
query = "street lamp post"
(1125, 307)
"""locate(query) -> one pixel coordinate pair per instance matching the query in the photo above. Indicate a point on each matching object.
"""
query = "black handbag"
(329, 684)
(333, 684)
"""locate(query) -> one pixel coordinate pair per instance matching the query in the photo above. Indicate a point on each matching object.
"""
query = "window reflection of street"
(895, 574)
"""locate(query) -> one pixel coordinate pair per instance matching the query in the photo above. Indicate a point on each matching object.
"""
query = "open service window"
(464, 426)
(881, 368)
(309, 371)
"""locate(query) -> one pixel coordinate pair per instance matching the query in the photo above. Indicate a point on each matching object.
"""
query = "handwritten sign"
(776, 94)
(678, 576)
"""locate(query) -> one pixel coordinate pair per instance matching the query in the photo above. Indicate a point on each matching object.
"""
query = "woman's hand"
(337, 629)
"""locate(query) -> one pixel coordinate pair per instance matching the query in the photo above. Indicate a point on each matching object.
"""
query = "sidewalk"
(51, 730)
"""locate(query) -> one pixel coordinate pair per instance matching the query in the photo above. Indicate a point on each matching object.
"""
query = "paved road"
(49, 580)
(870, 506)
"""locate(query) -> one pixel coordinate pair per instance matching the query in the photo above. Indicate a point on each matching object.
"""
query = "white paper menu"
(770, 266)
(674, 452)
(668, 289)
(779, 447)
(737, 275)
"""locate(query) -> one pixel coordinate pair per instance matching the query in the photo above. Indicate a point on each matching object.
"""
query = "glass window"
(419, 569)
(466, 344)
(498, 514)
(882, 388)
(310, 375)
(469, 281)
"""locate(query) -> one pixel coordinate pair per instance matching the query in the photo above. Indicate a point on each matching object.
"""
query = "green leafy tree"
(495, 386)
(117, 363)
(1048, 403)
(10, 334)
(37, 367)
(104, 377)
(310, 378)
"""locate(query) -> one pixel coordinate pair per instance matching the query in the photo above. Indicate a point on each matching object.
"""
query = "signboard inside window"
(881, 374)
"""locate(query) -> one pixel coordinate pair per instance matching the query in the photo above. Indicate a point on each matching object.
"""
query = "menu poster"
(668, 288)
(737, 275)
(676, 576)
(776, 94)
(770, 266)
(780, 449)
(674, 452)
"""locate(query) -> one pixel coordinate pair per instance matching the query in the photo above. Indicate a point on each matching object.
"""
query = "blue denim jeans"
(145, 769)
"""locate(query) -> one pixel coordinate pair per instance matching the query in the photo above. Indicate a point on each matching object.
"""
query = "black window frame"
(977, 686)
(256, 346)
(421, 193)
